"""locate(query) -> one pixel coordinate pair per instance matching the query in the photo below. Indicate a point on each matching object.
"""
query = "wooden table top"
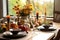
(36, 35)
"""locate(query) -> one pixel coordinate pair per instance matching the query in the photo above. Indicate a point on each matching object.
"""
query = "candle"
(37, 14)
(45, 11)
(45, 15)
(8, 19)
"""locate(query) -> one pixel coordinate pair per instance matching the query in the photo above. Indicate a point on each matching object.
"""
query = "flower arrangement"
(25, 11)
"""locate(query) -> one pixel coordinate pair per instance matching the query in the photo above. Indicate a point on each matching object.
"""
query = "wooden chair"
(58, 36)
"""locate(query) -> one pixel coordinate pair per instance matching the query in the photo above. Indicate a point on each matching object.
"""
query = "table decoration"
(14, 34)
(22, 14)
(8, 22)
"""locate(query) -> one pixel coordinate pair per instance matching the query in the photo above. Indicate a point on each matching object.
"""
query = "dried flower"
(23, 12)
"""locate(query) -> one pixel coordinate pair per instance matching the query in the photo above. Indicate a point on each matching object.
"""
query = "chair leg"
(52, 37)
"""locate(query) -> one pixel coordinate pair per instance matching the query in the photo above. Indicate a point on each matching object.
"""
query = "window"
(4, 8)
(38, 5)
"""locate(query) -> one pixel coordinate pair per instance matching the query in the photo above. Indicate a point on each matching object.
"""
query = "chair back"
(58, 36)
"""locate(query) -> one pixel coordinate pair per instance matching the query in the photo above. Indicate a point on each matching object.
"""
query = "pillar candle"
(37, 14)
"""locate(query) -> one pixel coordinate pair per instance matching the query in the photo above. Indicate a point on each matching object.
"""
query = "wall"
(1, 9)
(57, 5)
(57, 11)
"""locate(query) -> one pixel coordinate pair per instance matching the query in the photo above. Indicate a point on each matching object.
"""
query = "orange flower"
(8, 16)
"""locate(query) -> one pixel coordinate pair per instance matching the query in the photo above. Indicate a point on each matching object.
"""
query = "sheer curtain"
(4, 8)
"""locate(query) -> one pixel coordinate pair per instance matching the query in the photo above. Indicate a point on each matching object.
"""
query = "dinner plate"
(18, 35)
(46, 30)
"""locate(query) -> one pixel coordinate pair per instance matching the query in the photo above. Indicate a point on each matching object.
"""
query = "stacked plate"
(10, 35)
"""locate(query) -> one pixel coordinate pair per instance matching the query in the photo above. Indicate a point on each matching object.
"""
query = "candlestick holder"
(8, 22)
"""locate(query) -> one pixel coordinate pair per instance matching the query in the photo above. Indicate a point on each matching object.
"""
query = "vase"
(24, 17)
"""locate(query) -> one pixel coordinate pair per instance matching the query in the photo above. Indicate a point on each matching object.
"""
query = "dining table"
(35, 35)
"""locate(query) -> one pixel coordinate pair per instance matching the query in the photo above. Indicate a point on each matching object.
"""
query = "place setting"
(14, 34)
(46, 28)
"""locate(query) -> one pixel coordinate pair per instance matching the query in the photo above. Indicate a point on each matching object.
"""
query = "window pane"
(37, 5)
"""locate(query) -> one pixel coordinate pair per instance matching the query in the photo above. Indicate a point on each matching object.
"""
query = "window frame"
(46, 17)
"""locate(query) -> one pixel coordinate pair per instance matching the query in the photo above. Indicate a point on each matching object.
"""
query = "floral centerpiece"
(22, 12)
(8, 22)
(25, 11)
